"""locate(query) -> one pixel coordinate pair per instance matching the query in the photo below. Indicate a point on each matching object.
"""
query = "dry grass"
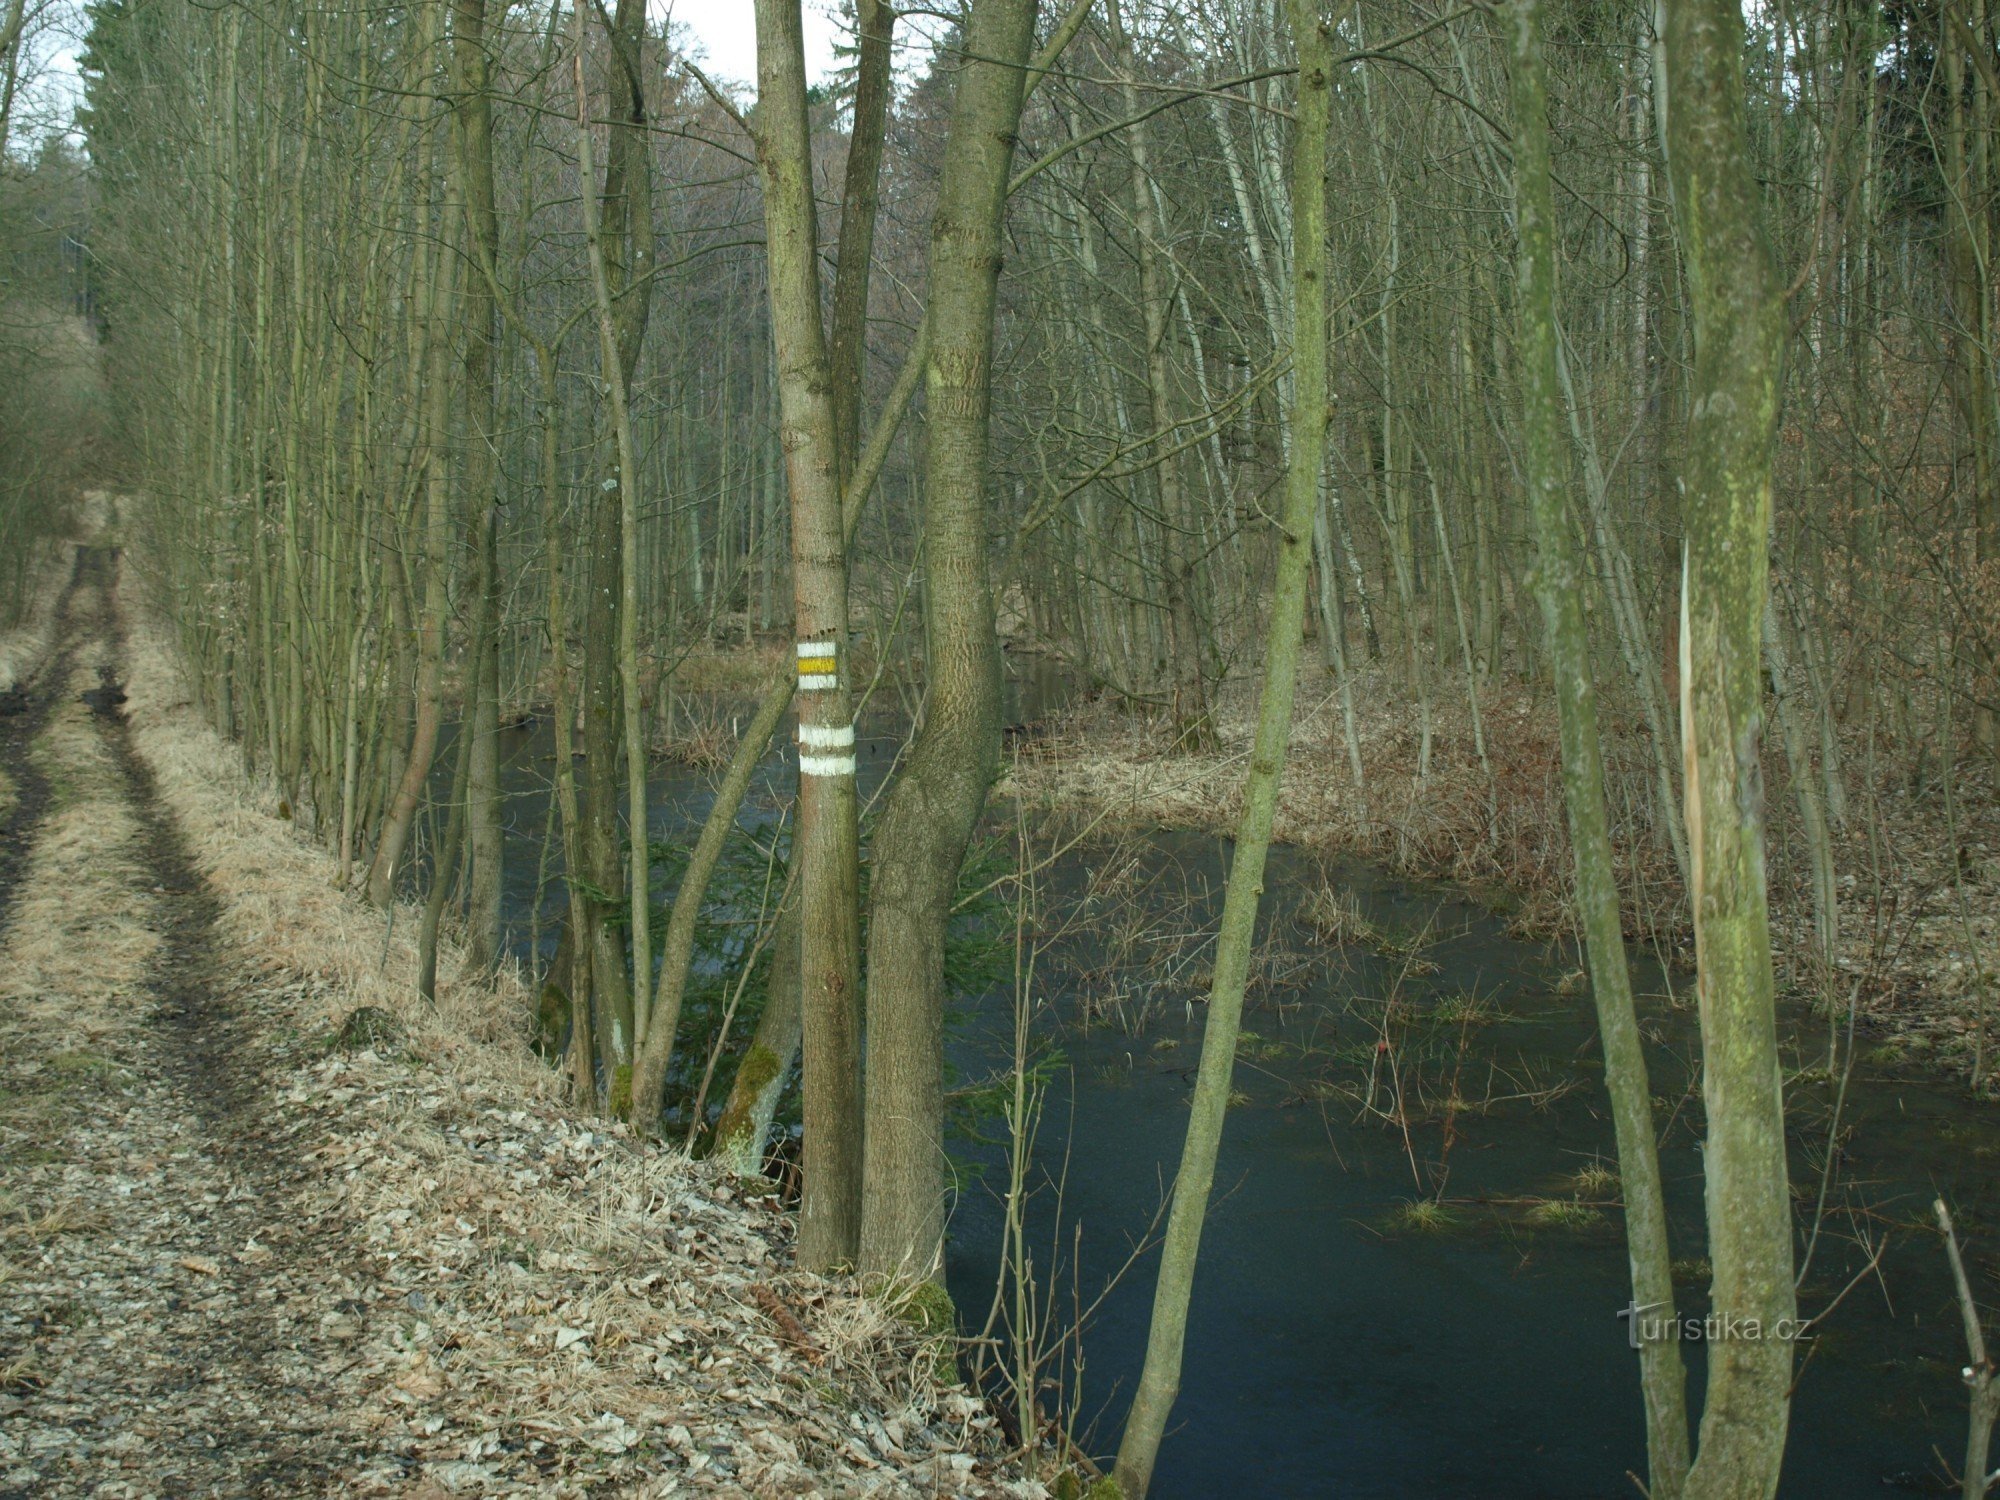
(280, 902)
(702, 736)
(1456, 822)
(1920, 908)
(1334, 917)
(23, 647)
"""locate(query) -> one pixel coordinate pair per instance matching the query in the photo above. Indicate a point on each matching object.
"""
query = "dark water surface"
(1332, 1350)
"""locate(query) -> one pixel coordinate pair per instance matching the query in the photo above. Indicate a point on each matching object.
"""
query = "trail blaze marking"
(819, 669)
(814, 739)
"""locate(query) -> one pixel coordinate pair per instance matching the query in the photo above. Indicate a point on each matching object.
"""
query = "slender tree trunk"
(472, 116)
(436, 563)
(445, 855)
(1178, 533)
(1806, 792)
(744, 1126)
(1559, 583)
(1159, 1378)
(649, 1074)
(620, 228)
(874, 23)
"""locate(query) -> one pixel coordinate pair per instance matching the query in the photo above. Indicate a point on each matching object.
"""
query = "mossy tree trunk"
(1737, 323)
(1560, 585)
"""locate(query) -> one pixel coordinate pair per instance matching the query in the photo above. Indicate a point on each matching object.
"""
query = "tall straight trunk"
(1969, 252)
(1559, 584)
(624, 254)
(1159, 1378)
(1737, 323)
(582, 924)
(1806, 792)
(826, 844)
(445, 852)
(472, 120)
(436, 539)
(936, 804)
(616, 375)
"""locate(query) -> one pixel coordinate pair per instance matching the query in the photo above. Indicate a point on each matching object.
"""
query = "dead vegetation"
(1919, 869)
(537, 1302)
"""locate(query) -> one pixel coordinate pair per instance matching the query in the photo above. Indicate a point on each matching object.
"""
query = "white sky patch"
(724, 33)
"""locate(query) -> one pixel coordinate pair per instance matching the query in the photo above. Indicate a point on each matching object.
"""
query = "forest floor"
(1919, 873)
(270, 1226)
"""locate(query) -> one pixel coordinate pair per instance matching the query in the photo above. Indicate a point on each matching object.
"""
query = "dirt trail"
(148, 1337)
(23, 712)
(248, 1247)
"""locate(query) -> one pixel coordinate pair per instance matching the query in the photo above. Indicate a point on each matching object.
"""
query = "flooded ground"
(1411, 1278)
(1342, 1342)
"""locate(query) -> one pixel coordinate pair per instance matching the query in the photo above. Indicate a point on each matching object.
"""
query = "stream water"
(1340, 1344)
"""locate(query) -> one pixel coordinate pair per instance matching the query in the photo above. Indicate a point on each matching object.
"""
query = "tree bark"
(936, 803)
(1559, 584)
(745, 1123)
(874, 24)
(826, 843)
(1737, 319)
(472, 118)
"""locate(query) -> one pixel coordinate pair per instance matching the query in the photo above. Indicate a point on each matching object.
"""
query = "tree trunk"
(936, 804)
(472, 117)
(1185, 647)
(874, 22)
(431, 628)
(1737, 317)
(826, 843)
(745, 1123)
(1559, 584)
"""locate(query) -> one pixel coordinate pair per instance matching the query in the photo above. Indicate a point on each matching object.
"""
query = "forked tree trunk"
(1160, 1377)
(1559, 584)
(1737, 317)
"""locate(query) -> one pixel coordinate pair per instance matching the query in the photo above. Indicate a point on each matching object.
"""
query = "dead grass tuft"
(1334, 917)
